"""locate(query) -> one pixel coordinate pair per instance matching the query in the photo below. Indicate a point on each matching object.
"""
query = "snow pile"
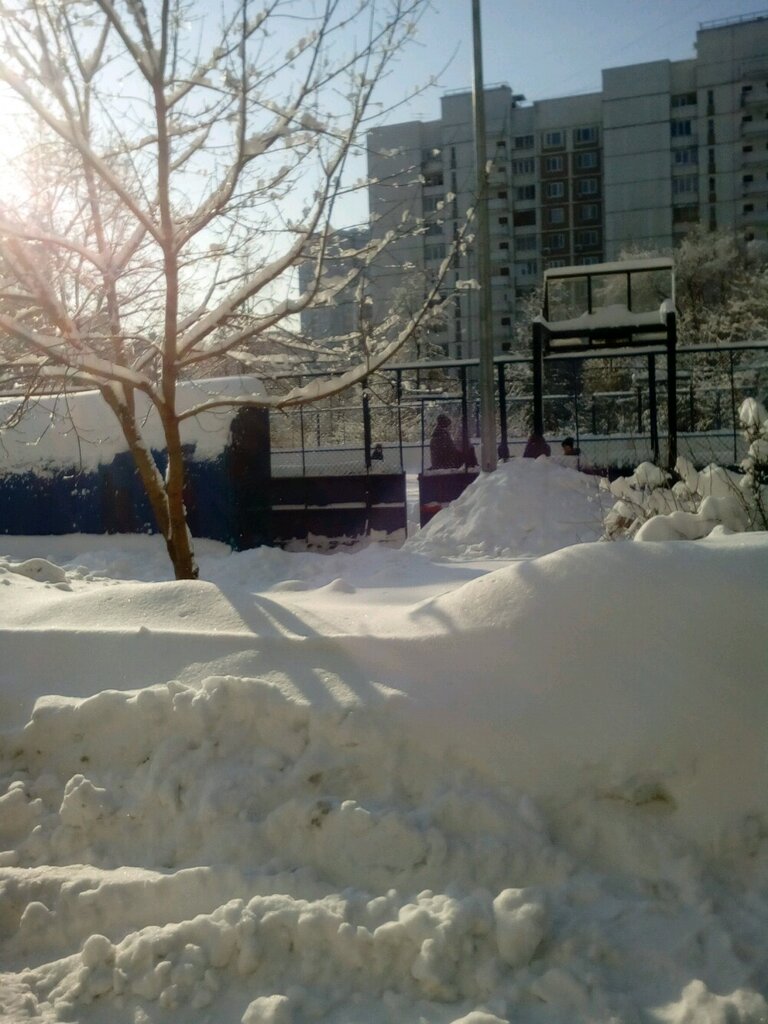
(526, 507)
(370, 788)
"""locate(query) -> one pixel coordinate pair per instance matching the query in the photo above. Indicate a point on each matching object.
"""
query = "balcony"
(754, 188)
(754, 129)
(757, 158)
(755, 69)
(755, 217)
(753, 100)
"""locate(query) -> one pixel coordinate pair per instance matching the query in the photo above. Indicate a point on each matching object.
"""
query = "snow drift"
(372, 788)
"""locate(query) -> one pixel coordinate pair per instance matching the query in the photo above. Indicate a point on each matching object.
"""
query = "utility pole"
(486, 382)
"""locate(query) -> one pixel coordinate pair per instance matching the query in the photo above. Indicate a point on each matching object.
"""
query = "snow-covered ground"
(505, 773)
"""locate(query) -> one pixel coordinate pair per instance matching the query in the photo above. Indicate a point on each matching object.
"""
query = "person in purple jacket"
(536, 446)
(443, 452)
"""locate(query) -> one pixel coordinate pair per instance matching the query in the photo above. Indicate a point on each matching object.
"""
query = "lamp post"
(486, 382)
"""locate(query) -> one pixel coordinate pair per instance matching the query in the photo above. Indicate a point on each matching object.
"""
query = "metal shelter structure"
(626, 307)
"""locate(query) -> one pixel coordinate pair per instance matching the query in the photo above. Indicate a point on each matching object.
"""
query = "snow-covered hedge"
(650, 506)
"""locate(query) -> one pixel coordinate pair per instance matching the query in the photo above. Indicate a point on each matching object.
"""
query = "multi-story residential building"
(578, 179)
(339, 317)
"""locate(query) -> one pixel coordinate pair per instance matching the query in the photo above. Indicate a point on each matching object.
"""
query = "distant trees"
(722, 288)
(182, 165)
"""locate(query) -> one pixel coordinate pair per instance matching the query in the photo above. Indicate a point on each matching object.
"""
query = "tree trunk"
(177, 539)
(166, 497)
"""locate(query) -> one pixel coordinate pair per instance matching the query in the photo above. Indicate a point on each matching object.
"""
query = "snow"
(613, 267)
(506, 774)
(615, 315)
(79, 429)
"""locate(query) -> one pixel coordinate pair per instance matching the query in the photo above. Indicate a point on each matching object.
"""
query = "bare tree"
(181, 173)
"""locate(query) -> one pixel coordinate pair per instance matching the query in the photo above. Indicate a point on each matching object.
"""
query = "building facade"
(576, 180)
(339, 317)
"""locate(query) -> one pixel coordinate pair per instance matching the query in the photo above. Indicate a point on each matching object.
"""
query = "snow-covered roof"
(614, 267)
(78, 429)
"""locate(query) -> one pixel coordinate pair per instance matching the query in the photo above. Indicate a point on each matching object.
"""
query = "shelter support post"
(653, 406)
(502, 383)
(538, 378)
(734, 417)
(366, 426)
(672, 390)
(464, 412)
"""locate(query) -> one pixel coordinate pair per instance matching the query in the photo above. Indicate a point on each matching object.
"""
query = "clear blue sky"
(545, 48)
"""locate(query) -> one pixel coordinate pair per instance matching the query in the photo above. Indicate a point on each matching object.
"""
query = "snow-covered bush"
(650, 506)
(754, 420)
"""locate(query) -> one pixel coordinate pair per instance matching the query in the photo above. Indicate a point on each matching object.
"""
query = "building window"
(587, 212)
(554, 139)
(555, 189)
(434, 251)
(523, 192)
(506, 321)
(553, 163)
(687, 155)
(685, 214)
(524, 218)
(501, 194)
(587, 239)
(587, 187)
(526, 166)
(555, 241)
(583, 136)
(557, 215)
(503, 245)
(681, 128)
(525, 243)
(433, 179)
(747, 179)
(684, 99)
(435, 228)
(555, 263)
(527, 268)
(586, 161)
(432, 203)
(503, 271)
(587, 261)
(684, 184)
(523, 142)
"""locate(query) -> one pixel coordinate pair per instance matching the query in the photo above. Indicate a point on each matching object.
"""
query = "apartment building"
(578, 179)
(341, 316)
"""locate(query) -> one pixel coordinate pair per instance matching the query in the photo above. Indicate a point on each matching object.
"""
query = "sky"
(427, 783)
(546, 48)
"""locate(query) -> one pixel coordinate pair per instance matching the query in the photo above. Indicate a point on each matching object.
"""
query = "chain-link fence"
(615, 407)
